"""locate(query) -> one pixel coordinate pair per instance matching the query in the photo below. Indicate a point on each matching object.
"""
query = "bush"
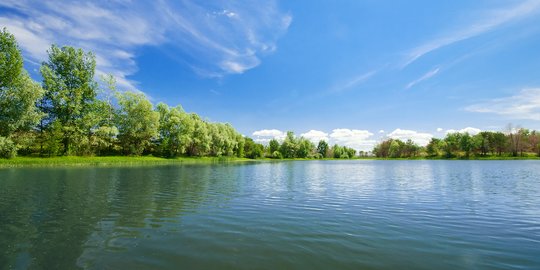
(7, 148)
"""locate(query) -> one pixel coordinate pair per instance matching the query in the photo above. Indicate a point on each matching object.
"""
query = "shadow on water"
(49, 217)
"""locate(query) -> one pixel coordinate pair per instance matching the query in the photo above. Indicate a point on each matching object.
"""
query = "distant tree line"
(72, 114)
(516, 142)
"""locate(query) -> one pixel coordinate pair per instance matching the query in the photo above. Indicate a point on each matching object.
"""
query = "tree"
(252, 149)
(173, 128)
(534, 141)
(18, 95)
(273, 146)
(304, 148)
(466, 143)
(432, 149)
(498, 142)
(482, 140)
(451, 144)
(396, 149)
(70, 90)
(289, 146)
(137, 122)
(322, 148)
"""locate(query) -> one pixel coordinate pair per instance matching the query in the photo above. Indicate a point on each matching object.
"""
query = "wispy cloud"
(424, 77)
(225, 37)
(354, 81)
(525, 105)
(490, 21)
(218, 37)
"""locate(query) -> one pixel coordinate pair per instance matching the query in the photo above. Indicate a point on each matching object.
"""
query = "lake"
(274, 215)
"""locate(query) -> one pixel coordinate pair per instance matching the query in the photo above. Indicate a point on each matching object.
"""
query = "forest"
(70, 113)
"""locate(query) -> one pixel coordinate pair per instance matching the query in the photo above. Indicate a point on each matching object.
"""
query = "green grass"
(150, 160)
(111, 161)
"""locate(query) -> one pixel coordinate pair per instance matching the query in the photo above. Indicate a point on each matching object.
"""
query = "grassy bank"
(149, 160)
(111, 161)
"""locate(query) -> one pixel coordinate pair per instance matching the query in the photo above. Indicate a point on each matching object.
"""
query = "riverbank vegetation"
(515, 143)
(71, 114)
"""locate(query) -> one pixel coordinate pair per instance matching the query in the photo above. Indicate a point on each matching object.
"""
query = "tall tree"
(137, 122)
(18, 95)
(70, 90)
(289, 146)
(322, 148)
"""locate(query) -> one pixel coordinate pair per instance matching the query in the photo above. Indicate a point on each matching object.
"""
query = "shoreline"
(76, 161)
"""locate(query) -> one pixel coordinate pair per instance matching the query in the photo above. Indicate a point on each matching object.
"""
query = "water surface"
(284, 215)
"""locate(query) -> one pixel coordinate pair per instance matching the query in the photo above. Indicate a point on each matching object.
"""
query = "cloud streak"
(424, 77)
(525, 105)
(217, 38)
(489, 22)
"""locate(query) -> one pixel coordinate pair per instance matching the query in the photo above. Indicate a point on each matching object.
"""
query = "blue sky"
(351, 72)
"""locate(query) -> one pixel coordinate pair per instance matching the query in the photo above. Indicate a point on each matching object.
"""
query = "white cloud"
(217, 38)
(265, 135)
(439, 129)
(470, 130)
(525, 105)
(354, 138)
(419, 138)
(424, 77)
(488, 22)
(315, 136)
(381, 131)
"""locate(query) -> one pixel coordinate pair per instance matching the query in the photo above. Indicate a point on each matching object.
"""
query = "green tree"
(289, 146)
(466, 143)
(70, 90)
(322, 148)
(252, 149)
(498, 142)
(172, 130)
(273, 147)
(482, 141)
(18, 95)
(305, 147)
(396, 149)
(432, 149)
(137, 122)
(451, 144)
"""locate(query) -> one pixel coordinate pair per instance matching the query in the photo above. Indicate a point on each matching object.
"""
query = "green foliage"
(18, 92)
(8, 149)
(433, 147)
(18, 96)
(517, 142)
(70, 91)
(137, 123)
(253, 150)
(273, 146)
(322, 148)
(289, 146)
(11, 61)
(305, 148)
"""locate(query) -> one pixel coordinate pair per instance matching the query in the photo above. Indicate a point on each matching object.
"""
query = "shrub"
(7, 148)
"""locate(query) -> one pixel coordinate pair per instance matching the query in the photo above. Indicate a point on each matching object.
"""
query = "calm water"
(287, 215)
